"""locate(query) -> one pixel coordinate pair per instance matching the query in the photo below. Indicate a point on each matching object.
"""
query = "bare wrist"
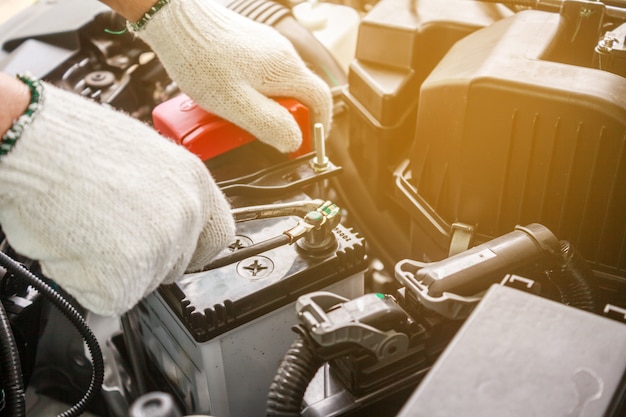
(131, 10)
(33, 94)
(14, 99)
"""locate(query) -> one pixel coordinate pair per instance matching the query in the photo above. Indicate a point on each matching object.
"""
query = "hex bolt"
(320, 162)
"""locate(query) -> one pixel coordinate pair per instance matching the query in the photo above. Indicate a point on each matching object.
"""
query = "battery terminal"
(316, 228)
(313, 232)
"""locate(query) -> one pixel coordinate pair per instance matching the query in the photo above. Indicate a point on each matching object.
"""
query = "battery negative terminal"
(313, 232)
(319, 225)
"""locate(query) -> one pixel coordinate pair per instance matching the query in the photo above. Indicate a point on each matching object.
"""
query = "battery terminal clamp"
(373, 321)
(313, 232)
(316, 229)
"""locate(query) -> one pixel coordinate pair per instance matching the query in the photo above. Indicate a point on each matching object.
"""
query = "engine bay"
(457, 246)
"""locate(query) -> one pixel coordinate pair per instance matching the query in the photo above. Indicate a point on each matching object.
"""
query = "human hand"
(110, 208)
(230, 64)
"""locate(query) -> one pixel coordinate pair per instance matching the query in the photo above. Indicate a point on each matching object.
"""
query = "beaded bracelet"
(36, 100)
(138, 25)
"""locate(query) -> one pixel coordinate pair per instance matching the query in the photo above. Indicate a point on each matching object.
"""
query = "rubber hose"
(620, 4)
(79, 323)
(294, 374)
(574, 279)
(310, 49)
(11, 369)
(525, 3)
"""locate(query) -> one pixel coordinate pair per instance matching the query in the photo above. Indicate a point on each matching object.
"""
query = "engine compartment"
(476, 158)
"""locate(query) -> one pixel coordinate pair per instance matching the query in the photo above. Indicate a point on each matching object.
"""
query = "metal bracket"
(461, 238)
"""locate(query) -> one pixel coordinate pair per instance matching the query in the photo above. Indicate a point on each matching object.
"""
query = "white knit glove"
(110, 208)
(228, 64)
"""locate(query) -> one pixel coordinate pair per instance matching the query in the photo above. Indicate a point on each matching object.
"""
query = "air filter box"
(399, 43)
(505, 136)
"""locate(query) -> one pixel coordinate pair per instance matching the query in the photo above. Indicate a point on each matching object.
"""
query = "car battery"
(216, 337)
(208, 135)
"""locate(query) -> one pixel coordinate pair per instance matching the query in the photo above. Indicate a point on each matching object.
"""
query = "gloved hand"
(110, 208)
(228, 64)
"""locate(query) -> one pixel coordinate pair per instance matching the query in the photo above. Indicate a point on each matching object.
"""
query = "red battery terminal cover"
(208, 135)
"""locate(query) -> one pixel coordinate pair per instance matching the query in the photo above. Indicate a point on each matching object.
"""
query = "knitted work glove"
(228, 64)
(110, 208)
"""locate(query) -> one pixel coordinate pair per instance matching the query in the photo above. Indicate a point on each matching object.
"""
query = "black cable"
(524, 3)
(77, 320)
(612, 8)
(574, 280)
(247, 252)
(11, 369)
(295, 372)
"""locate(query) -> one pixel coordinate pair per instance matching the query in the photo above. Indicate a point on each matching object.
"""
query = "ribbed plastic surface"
(263, 11)
(506, 137)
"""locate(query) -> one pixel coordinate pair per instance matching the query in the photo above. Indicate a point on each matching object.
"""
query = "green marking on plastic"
(330, 75)
(379, 295)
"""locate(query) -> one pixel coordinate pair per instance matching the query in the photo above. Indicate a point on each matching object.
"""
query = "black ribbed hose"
(574, 279)
(311, 50)
(77, 320)
(294, 374)
(11, 369)
(537, 3)
(525, 3)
